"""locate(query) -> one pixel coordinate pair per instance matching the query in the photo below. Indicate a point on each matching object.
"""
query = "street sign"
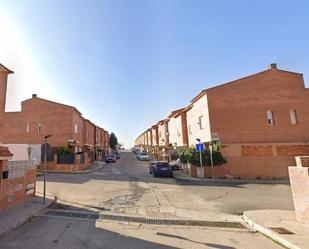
(199, 147)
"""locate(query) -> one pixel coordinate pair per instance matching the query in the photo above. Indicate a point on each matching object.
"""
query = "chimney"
(272, 66)
(34, 96)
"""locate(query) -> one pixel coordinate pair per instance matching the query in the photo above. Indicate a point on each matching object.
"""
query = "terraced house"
(40, 117)
(261, 120)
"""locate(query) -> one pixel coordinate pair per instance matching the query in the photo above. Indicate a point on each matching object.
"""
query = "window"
(293, 117)
(178, 132)
(190, 129)
(201, 122)
(270, 118)
(76, 128)
(27, 127)
(39, 128)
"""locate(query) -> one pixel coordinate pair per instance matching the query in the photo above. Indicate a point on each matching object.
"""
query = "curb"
(286, 182)
(25, 220)
(87, 171)
(269, 233)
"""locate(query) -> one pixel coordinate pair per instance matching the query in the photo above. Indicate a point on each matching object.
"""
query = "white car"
(176, 165)
(143, 156)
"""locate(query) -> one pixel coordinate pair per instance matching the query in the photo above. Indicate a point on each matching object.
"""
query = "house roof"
(53, 102)
(174, 113)
(203, 92)
(5, 69)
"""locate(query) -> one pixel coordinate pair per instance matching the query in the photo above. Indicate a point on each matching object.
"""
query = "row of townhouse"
(27, 128)
(261, 120)
(40, 117)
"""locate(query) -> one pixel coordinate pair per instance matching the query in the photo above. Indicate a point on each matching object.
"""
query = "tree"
(119, 146)
(113, 141)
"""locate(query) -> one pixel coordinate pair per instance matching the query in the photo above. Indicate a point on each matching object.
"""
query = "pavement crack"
(217, 197)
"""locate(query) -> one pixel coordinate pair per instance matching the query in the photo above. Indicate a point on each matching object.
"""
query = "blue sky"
(125, 64)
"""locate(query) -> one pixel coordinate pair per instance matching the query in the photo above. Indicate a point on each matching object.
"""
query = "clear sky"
(126, 64)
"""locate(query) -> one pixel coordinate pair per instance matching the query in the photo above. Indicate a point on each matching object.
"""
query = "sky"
(126, 64)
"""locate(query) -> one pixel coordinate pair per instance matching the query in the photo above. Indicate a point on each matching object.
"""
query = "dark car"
(110, 158)
(160, 169)
(117, 154)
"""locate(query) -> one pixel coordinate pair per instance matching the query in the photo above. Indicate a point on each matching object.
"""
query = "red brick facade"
(238, 109)
(4, 72)
(40, 117)
(262, 120)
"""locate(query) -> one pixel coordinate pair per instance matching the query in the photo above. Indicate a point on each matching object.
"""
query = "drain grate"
(281, 230)
(89, 216)
(172, 222)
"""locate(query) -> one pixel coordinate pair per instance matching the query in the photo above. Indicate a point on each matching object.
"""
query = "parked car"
(143, 156)
(117, 154)
(176, 165)
(161, 169)
(110, 158)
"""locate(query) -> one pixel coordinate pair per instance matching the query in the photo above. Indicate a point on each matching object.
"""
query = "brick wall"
(299, 179)
(54, 118)
(259, 160)
(238, 109)
(3, 89)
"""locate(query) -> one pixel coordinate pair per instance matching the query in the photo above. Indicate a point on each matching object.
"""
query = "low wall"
(20, 184)
(77, 166)
(260, 160)
(254, 161)
(299, 179)
(64, 167)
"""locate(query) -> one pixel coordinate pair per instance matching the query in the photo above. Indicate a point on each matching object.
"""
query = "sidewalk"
(16, 216)
(180, 175)
(97, 165)
(264, 220)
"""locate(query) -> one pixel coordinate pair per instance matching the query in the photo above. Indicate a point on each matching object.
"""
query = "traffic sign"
(199, 147)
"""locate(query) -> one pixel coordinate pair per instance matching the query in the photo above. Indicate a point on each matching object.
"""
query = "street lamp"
(45, 159)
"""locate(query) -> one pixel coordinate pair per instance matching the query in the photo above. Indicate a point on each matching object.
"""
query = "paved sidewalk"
(264, 220)
(12, 218)
(180, 175)
(92, 168)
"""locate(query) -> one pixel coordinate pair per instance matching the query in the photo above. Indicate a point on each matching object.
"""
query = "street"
(126, 188)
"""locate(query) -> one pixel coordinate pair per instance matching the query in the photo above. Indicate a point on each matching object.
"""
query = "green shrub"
(190, 155)
(63, 151)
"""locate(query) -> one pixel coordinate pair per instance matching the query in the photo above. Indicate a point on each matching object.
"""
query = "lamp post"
(45, 159)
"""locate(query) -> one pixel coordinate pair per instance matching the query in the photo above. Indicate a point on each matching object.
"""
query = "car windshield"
(162, 165)
(143, 154)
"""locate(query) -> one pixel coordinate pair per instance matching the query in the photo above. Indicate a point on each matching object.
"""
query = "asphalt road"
(126, 187)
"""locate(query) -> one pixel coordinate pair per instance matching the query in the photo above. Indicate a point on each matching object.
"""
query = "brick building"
(261, 120)
(40, 117)
(4, 72)
(177, 128)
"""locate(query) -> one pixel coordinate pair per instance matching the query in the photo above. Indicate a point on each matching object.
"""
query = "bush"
(64, 151)
(190, 155)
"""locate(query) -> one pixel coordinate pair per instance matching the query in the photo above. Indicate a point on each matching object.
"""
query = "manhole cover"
(281, 230)
(172, 222)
